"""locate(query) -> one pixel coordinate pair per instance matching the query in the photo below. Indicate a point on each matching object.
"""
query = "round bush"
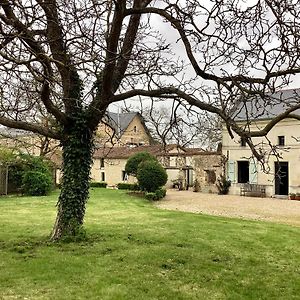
(151, 175)
(36, 183)
(133, 162)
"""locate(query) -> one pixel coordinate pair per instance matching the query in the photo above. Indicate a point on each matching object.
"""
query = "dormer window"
(281, 140)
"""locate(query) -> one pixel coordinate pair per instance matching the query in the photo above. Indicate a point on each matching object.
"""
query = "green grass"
(136, 251)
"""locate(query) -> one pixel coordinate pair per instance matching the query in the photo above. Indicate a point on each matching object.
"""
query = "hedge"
(128, 186)
(101, 184)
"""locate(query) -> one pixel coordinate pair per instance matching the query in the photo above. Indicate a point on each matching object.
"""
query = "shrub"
(223, 185)
(133, 162)
(128, 186)
(24, 163)
(151, 175)
(151, 196)
(100, 184)
(157, 195)
(161, 192)
(36, 183)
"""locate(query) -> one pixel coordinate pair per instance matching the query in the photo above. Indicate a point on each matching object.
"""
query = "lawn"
(136, 251)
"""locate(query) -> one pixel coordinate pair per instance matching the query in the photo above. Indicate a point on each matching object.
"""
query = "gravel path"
(267, 209)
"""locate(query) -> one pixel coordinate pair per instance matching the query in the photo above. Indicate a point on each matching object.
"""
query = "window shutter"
(231, 171)
(252, 171)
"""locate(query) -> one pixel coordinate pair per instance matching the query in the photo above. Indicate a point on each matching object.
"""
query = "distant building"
(123, 129)
(119, 136)
(184, 164)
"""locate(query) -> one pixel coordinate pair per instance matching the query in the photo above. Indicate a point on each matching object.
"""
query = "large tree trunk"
(77, 159)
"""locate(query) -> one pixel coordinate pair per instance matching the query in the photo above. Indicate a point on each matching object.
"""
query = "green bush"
(151, 175)
(101, 184)
(157, 195)
(128, 186)
(35, 183)
(151, 196)
(161, 192)
(133, 162)
(23, 163)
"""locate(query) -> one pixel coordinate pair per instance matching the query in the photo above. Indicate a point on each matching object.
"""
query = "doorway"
(281, 178)
(189, 177)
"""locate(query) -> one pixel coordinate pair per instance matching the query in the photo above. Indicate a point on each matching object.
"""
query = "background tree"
(71, 59)
(185, 127)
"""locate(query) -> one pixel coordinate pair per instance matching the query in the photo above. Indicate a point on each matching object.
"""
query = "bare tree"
(74, 58)
(244, 51)
(181, 125)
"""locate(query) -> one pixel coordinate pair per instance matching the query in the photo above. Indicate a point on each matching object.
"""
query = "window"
(243, 142)
(281, 140)
(134, 129)
(102, 176)
(102, 163)
(243, 171)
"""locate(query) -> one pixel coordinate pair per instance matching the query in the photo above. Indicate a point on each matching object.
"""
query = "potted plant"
(292, 196)
(297, 196)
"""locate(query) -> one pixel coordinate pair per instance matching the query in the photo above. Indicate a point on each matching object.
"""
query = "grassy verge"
(135, 251)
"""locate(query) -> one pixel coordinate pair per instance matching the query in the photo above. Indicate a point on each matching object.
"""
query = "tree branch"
(234, 79)
(29, 127)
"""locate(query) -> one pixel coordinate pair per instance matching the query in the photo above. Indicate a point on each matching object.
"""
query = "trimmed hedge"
(101, 184)
(151, 176)
(128, 186)
(134, 161)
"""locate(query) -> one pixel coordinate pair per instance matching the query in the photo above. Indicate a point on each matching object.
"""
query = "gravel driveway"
(266, 209)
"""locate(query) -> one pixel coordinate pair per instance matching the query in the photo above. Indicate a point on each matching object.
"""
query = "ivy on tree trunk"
(77, 149)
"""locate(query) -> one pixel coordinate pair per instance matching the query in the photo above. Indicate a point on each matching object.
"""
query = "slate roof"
(120, 121)
(269, 107)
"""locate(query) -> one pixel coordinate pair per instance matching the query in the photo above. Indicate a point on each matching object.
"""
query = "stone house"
(184, 164)
(281, 147)
(123, 129)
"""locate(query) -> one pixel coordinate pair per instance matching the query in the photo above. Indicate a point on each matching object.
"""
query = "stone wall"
(207, 169)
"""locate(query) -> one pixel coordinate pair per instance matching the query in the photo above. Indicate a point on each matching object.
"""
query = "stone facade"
(207, 169)
(182, 164)
(123, 129)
